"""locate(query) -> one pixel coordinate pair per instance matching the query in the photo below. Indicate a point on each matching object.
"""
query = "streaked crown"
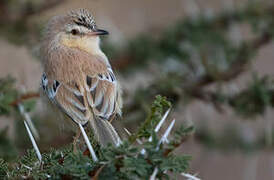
(82, 17)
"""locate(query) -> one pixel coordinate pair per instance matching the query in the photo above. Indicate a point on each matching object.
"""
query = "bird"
(77, 76)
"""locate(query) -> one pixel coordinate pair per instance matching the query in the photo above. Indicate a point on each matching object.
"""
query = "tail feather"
(104, 132)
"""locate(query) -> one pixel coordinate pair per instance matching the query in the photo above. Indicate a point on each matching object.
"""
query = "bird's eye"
(74, 32)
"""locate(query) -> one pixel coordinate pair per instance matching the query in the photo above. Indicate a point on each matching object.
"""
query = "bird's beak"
(98, 32)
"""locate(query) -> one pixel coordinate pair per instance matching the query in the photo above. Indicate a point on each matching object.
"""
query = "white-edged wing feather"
(99, 95)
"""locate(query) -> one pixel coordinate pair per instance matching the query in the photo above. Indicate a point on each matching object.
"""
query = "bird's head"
(77, 29)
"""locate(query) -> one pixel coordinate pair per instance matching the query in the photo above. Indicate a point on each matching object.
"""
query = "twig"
(195, 87)
(236, 68)
(25, 97)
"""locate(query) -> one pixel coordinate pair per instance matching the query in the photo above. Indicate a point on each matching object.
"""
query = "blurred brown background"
(125, 20)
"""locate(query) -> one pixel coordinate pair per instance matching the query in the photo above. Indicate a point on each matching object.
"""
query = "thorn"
(161, 122)
(157, 128)
(23, 113)
(33, 142)
(127, 131)
(91, 150)
(32, 127)
(153, 176)
(29, 121)
(29, 168)
(164, 137)
(190, 177)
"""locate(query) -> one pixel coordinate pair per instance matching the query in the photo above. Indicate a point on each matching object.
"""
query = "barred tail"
(104, 132)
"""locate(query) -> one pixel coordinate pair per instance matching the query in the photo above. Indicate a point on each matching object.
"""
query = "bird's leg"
(75, 139)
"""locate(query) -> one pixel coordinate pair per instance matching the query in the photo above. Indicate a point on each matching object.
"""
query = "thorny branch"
(238, 67)
(195, 89)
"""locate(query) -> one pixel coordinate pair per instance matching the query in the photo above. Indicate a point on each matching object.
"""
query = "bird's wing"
(69, 97)
(96, 90)
(103, 93)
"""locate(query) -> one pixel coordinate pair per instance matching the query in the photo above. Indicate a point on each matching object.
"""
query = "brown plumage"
(77, 75)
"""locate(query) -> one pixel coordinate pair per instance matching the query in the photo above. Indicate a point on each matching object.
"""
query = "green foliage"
(159, 106)
(189, 55)
(123, 162)
(3, 169)
(178, 163)
(181, 134)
